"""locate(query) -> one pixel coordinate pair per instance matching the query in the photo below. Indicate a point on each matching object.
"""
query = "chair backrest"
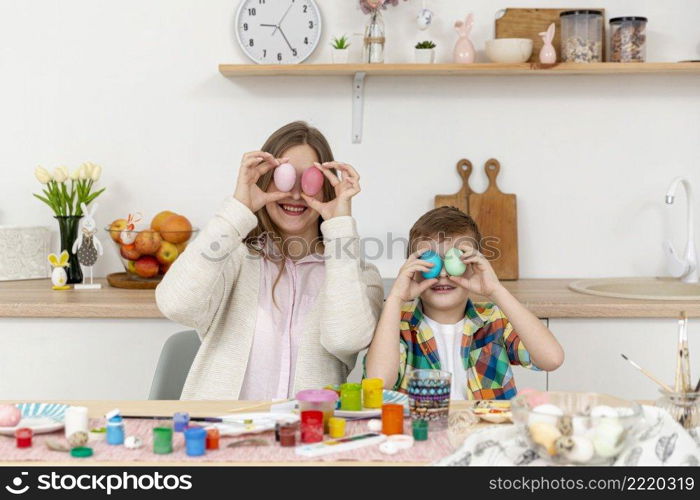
(174, 364)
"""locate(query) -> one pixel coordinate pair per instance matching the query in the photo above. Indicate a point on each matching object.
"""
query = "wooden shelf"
(238, 70)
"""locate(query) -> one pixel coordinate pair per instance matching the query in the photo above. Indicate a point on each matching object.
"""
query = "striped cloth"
(489, 346)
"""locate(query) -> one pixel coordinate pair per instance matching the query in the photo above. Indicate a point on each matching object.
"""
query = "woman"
(274, 284)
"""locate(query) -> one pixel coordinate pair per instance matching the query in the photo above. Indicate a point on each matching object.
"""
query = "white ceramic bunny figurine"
(548, 55)
(59, 278)
(86, 245)
(464, 48)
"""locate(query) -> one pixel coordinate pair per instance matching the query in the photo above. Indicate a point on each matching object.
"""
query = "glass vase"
(684, 407)
(68, 228)
(374, 39)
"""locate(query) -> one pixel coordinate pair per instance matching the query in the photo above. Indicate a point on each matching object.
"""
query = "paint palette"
(41, 418)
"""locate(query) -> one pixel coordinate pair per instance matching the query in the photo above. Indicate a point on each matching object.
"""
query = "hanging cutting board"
(496, 215)
(461, 198)
(528, 23)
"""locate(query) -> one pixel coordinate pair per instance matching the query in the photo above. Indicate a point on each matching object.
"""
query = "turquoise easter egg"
(453, 265)
(434, 259)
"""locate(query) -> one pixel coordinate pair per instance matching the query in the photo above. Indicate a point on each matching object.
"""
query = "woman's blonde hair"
(292, 134)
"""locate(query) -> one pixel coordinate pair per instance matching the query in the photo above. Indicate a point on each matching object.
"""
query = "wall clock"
(278, 31)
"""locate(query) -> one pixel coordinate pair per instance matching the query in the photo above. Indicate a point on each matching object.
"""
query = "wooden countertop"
(546, 298)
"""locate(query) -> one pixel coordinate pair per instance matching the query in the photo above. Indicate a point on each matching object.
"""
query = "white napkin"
(662, 441)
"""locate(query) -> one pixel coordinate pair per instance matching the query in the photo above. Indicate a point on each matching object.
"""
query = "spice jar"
(628, 39)
(581, 36)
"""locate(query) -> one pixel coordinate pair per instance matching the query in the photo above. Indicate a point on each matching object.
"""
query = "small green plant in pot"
(425, 52)
(341, 50)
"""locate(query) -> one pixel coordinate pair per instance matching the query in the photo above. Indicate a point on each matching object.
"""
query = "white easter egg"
(285, 176)
(388, 448)
(603, 411)
(582, 452)
(580, 425)
(546, 413)
(607, 438)
(374, 425)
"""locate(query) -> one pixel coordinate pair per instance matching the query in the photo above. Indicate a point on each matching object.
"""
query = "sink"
(639, 288)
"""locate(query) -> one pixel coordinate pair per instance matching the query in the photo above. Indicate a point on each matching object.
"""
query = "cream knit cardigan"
(213, 288)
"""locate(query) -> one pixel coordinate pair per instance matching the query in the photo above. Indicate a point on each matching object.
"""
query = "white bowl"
(509, 50)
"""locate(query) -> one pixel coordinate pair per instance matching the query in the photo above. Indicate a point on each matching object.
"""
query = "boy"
(439, 327)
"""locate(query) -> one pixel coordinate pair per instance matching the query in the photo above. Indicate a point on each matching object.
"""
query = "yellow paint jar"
(372, 392)
(336, 426)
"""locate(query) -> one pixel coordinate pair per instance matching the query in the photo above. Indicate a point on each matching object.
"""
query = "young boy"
(439, 327)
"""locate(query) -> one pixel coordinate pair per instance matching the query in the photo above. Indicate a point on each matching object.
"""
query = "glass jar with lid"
(581, 36)
(628, 39)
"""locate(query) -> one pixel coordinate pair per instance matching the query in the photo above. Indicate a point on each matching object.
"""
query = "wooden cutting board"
(461, 198)
(528, 23)
(496, 215)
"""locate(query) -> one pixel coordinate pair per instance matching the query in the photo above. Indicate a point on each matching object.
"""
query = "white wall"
(134, 85)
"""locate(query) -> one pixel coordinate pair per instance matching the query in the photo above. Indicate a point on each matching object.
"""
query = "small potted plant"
(425, 52)
(340, 50)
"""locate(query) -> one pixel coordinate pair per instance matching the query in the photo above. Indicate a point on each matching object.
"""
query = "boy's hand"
(406, 288)
(480, 277)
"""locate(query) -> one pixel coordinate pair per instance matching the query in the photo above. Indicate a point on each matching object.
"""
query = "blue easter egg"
(434, 259)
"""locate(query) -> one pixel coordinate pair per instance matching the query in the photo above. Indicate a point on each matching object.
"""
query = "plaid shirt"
(489, 346)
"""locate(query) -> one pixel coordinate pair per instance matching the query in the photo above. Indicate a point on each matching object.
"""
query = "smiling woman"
(274, 284)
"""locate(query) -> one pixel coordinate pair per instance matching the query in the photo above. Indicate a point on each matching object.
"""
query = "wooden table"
(97, 409)
(546, 298)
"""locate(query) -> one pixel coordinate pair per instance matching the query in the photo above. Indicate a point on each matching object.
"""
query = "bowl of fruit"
(148, 252)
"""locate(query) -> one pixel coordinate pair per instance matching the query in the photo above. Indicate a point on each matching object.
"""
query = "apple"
(176, 229)
(147, 242)
(160, 218)
(116, 228)
(129, 252)
(167, 253)
(146, 266)
(131, 266)
(181, 247)
(164, 268)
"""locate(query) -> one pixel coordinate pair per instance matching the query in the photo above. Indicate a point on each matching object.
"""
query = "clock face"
(278, 31)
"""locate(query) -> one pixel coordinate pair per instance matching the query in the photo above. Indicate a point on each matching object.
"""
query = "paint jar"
(195, 441)
(24, 437)
(372, 392)
(115, 430)
(392, 419)
(75, 420)
(420, 430)
(311, 426)
(213, 437)
(336, 427)
(180, 421)
(429, 396)
(322, 400)
(288, 433)
(351, 397)
(162, 440)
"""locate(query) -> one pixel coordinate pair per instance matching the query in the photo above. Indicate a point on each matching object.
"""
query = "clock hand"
(285, 39)
(269, 25)
(285, 15)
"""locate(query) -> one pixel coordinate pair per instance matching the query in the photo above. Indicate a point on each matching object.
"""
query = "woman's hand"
(480, 277)
(406, 288)
(344, 190)
(253, 166)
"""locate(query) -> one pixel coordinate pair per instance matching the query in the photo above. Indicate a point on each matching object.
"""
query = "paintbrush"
(648, 375)
(682, 380)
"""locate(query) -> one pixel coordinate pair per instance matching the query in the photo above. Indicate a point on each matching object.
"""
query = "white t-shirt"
(449, 341)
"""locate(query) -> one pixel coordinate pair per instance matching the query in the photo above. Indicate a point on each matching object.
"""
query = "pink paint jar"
(323, 400)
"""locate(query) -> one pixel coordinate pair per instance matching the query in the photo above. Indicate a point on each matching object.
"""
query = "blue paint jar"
(115, 430)
(195, 441)
(180, 421)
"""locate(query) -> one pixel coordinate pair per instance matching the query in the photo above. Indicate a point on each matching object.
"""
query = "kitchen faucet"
(685, 268)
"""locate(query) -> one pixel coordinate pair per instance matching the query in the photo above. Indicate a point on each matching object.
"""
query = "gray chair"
(173, 365)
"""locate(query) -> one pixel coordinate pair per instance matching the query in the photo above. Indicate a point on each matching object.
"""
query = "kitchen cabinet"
(593, 363)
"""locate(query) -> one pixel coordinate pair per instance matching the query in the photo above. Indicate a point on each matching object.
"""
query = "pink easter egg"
(312, 181)
(285, 177)
(9, 415)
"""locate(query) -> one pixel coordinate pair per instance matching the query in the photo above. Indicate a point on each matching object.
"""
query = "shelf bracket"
(358, 104)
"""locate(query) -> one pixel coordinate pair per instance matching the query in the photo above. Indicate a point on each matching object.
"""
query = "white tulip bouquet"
(65, 200)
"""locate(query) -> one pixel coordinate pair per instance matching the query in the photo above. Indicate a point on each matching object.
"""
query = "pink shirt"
(278, 327)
